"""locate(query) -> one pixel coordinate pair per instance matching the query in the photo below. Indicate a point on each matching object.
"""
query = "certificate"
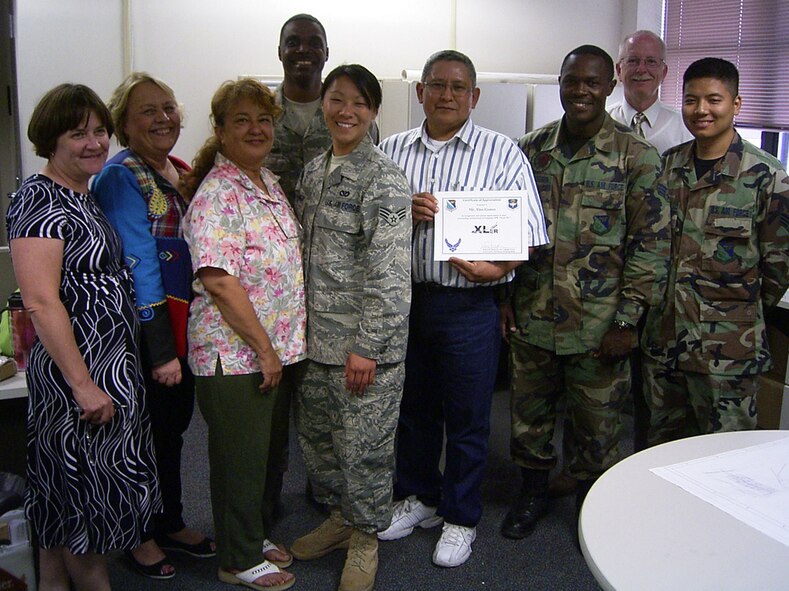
(481, 226)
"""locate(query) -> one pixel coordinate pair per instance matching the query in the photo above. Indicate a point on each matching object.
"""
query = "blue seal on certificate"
(453, 247)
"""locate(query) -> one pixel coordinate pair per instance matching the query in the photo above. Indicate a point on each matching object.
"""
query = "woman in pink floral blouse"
(246, 321)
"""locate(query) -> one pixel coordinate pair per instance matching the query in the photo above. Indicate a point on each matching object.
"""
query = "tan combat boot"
(362, 562)
(329, 535)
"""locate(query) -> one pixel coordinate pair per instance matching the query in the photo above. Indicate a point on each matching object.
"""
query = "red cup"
(22, 331)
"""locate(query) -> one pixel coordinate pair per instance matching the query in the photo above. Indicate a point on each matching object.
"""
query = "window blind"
(752, 34)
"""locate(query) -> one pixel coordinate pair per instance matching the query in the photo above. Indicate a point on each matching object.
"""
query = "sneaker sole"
(424, 524)
(447, 565)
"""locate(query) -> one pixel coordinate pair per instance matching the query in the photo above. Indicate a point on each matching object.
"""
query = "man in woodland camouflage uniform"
(577, 302)
(707, 343)
(300, 135)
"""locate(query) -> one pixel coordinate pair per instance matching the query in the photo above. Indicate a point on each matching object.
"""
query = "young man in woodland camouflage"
(572, 321)
(706, 344)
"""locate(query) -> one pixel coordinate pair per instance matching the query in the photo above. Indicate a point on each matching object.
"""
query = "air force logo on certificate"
(481, 226)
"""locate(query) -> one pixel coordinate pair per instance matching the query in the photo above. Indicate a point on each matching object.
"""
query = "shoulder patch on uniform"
(542, 160)
(390, 217)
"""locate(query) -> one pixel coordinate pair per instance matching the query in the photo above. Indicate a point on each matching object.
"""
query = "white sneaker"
(454, 546)
(407, 515)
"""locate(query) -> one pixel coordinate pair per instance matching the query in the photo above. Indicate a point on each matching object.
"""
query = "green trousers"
(239, 417)
(686, 403)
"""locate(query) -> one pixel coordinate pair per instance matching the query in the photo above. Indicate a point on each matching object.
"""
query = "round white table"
(639, 532)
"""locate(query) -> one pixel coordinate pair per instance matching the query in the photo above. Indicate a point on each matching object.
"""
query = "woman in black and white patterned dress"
(91, 477)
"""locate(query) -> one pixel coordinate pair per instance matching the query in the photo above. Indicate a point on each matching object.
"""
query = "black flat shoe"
(152, 571)
(203, 548)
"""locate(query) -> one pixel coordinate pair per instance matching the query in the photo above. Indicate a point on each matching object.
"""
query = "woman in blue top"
(138, 191)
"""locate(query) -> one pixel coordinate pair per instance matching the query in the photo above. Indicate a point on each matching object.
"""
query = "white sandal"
(249, 576)
(268, 546)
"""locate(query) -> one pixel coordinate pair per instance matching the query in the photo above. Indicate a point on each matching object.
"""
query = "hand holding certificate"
(481, 226)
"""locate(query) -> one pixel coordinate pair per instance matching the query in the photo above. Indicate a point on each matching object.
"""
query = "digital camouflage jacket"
(357, 256)
(291, 150)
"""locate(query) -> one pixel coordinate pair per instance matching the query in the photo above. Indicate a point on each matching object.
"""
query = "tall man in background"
(301, 133)
(454, 334)
(299, 136)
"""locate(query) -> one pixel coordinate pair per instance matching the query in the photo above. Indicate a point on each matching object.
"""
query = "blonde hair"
(119, 101)
(225, 98)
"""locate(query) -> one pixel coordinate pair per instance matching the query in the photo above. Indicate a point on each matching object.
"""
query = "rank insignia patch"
(725, 252)
(390, 217)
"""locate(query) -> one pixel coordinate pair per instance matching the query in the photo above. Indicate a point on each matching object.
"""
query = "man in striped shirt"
(454, 339)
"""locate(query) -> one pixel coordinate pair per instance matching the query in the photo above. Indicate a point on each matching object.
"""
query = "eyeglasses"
(650, 62)
(438, 88)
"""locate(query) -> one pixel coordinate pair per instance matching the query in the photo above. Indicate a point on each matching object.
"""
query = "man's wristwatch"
(622, 325)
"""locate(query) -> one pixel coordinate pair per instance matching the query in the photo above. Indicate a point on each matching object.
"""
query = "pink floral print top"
(232, 225)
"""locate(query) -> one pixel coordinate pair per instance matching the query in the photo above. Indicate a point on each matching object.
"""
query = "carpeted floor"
(547, 560)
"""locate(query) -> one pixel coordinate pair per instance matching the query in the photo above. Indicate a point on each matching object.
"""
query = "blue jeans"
(451, 364)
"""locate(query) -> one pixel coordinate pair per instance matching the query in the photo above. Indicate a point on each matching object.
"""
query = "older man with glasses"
(454, 338)
(641, 69)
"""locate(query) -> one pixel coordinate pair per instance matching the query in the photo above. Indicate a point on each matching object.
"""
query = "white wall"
(64, 41)
(194, 45)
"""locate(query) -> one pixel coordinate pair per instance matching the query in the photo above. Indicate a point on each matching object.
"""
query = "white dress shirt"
(663, 126)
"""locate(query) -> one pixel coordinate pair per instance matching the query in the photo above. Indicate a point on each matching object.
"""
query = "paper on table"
(750, 484)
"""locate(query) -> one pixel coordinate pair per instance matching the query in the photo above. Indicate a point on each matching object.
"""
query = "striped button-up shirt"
(474, 159)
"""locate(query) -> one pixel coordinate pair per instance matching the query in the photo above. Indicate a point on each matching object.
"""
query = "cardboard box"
(17, 572)
(16, 568)
(7, 370)
(769, 402)
(778, 341)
